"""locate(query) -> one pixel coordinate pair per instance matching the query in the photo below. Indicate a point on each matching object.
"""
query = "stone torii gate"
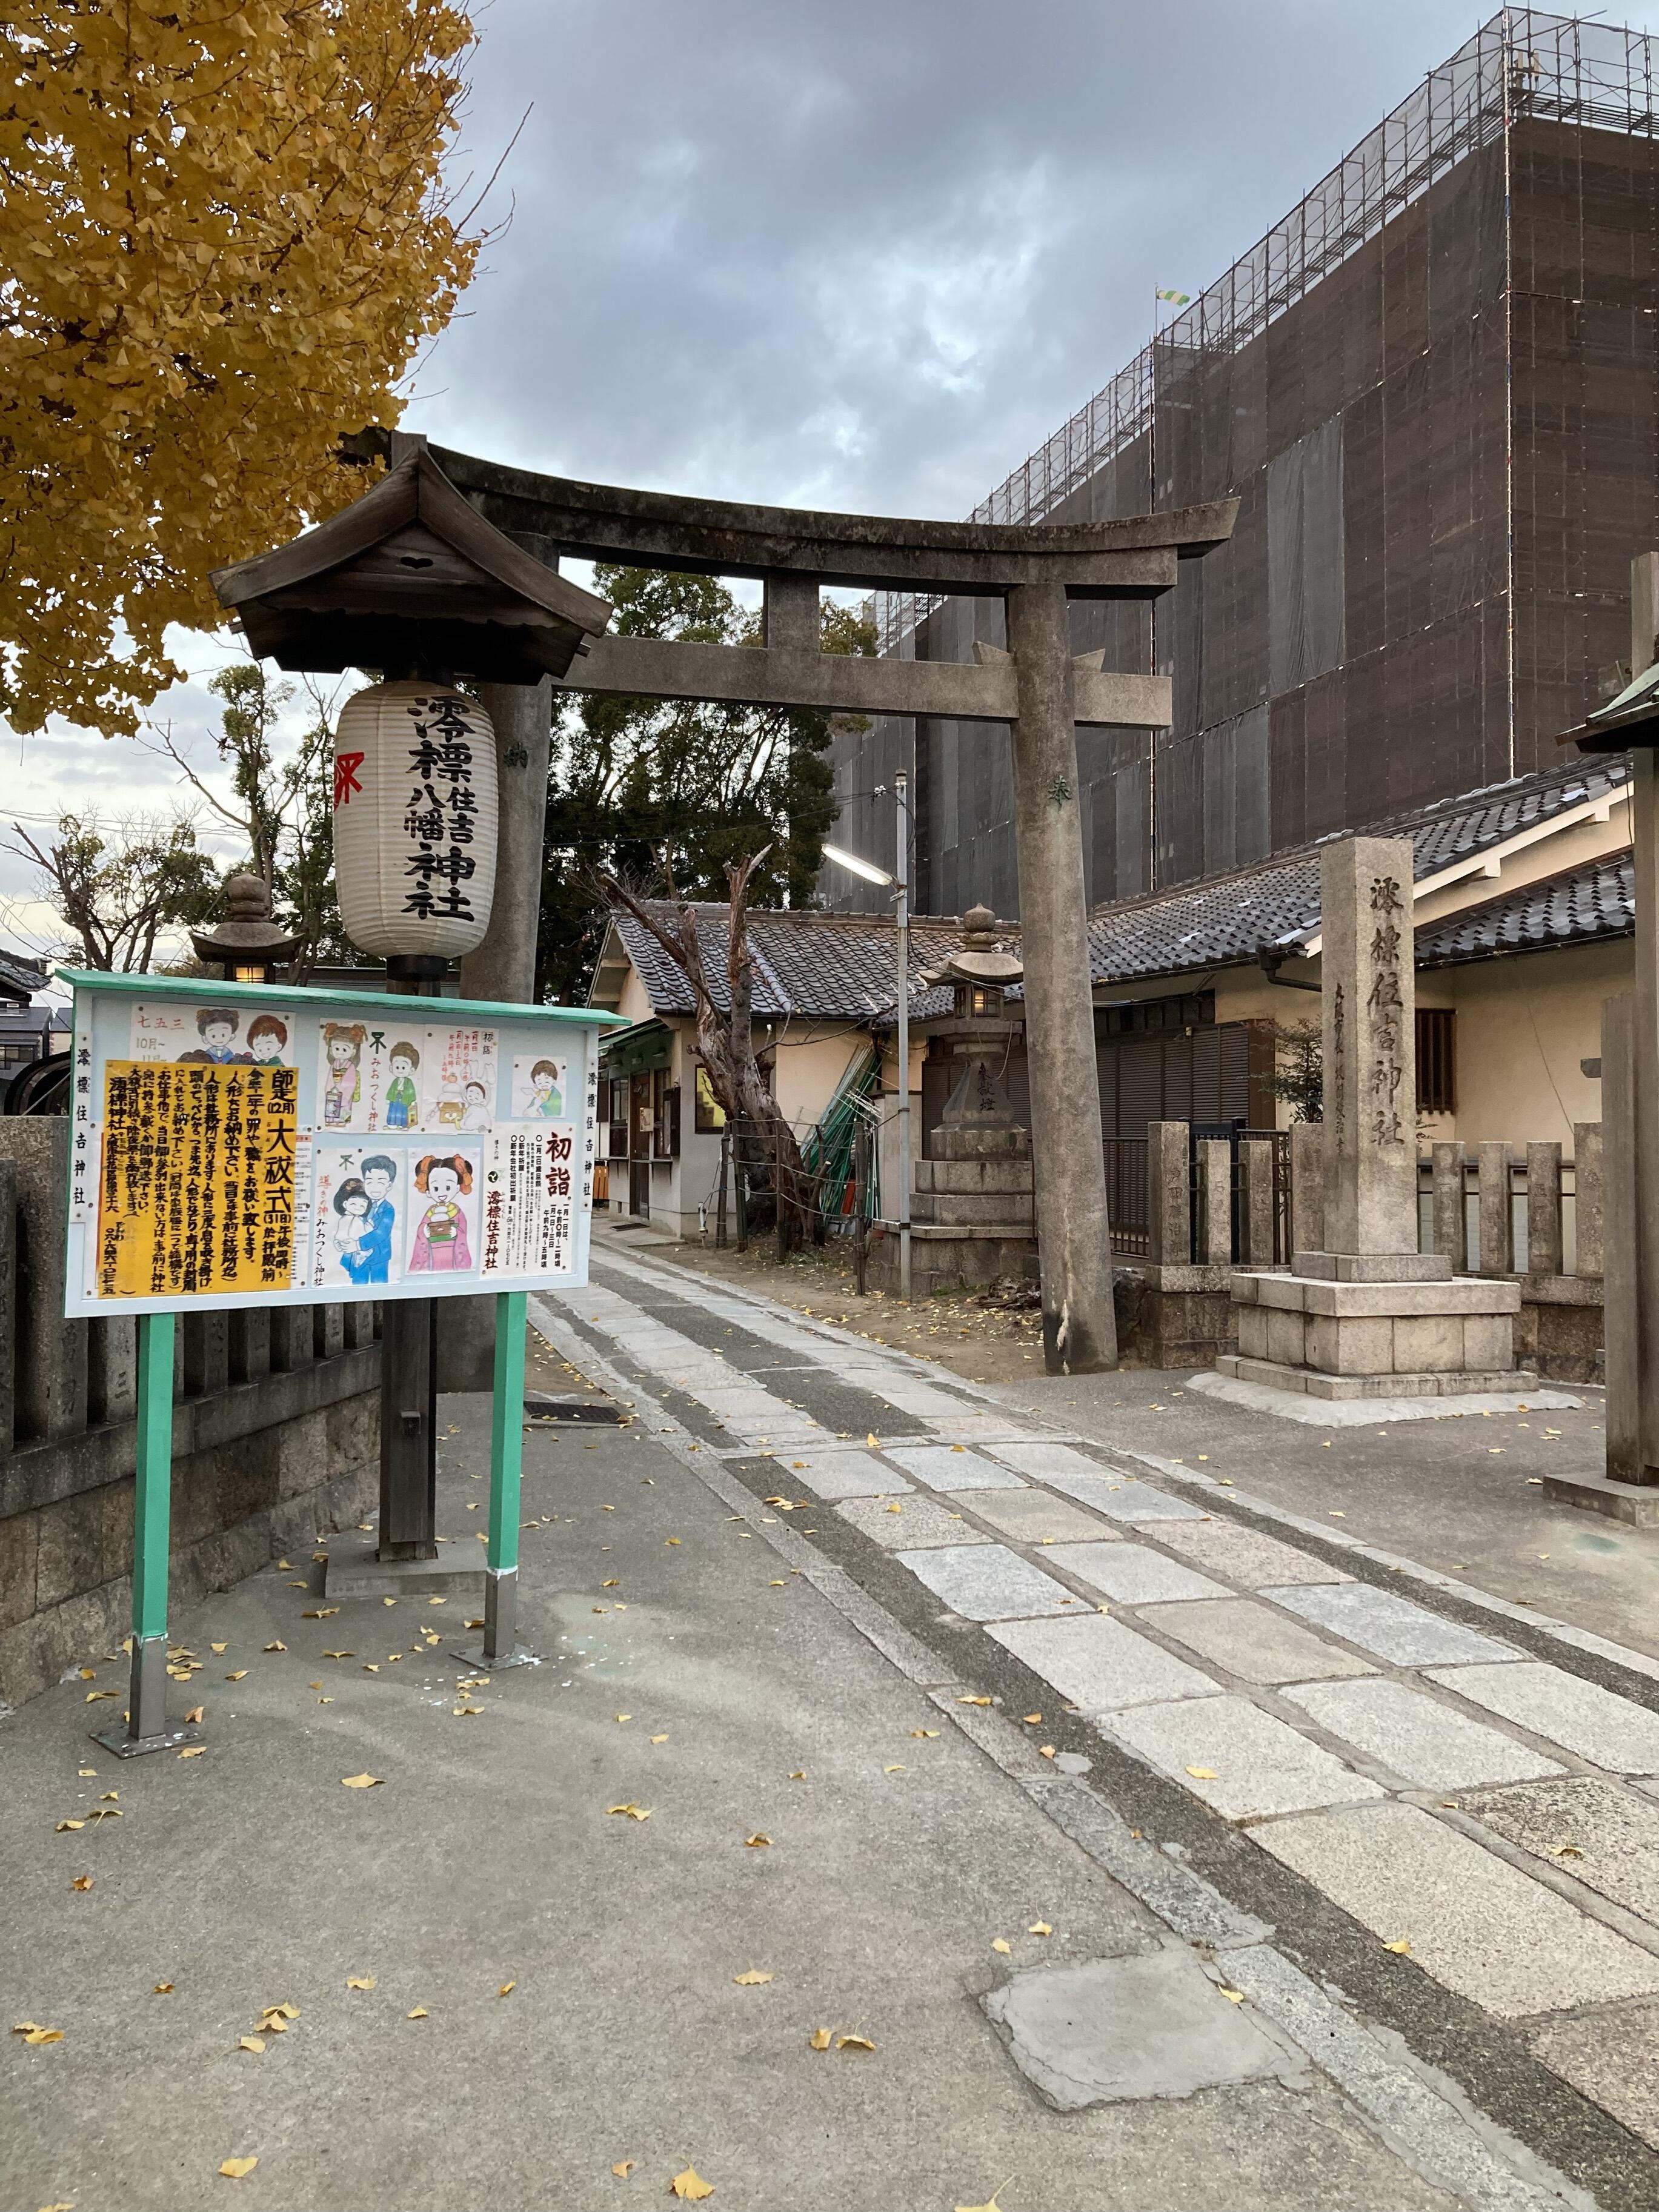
(1039, 687)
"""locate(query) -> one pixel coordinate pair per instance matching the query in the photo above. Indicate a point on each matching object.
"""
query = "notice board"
(242, 1145)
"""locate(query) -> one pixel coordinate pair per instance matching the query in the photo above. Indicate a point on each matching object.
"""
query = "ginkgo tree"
(226, 231)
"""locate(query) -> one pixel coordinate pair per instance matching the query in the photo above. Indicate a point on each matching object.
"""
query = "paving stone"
(989, 1582)
(1242, 1556)
(1122, 1497)
(1108, 2029)
(1476, 1924)
(1379, 1621)
(1099, 1665)
(1424, 1741)
(915, 1397)
(917, 1524)
(1612, 2058)
(1132, 1574)
(1031, 1516)
(1043, 1461)
(1612, 1835)
(1565, 1709)
(1253, 1762)
(948, 1467)
(1257, 1644)
(842, 1474)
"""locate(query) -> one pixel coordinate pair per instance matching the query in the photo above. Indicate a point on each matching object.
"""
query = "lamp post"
(899, 885)
(249, 945)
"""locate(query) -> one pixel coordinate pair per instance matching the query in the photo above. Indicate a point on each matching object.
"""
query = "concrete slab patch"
(1031, 1516)
(948, 1467)
(1132, 1574)
(1100, 1665)
(1257, 1644)
(1380, 1621)
(989, 1582)
(1043, 1461)
(1251, 1762)
(842, 1474)
(1563, 1709)
(907, 1525)
(1612, 2059)
(1473, 1923)
(1245, 1557)
(1420, 1739)
(1603, 1836)
(1108, 2029)
(1123, 1499)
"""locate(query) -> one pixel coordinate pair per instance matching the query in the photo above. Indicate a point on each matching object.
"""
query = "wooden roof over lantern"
(409, 578)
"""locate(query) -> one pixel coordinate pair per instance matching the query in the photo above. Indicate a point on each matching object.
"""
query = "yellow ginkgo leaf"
(360, 1981)
(1039, 1928)
(1402, 1948)
(507, 1989)
(990, 2203)
(1001, 1943)
(853, 2043)
(249, 2043)
(659, 1739)
(360, 1782)
(238, 2169)
(756, 1842)
(752, 1980)
(275, 1647)
(1233, 1997)
(690, 2186)
(623, 2168)
(1203, 1774)
(821, 2039)
(419, 2012)
(630, 1812)
(926, 1732)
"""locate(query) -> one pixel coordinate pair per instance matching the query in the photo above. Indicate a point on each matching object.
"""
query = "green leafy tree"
(669, 796)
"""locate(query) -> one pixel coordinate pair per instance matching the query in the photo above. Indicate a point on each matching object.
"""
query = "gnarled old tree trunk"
(762, 1139)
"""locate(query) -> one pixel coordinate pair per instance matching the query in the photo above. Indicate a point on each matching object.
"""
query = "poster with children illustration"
(354, 1076)
(356, 1216)
(458, 1080)
(540, 1084)
(442, 1212)
(211, 1035)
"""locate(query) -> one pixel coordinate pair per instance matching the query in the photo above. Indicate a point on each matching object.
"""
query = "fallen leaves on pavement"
(821, 2039)
(360, 1782)
(630, 1812)
(360, 1981)
(691, 2185)
(32, 2031)
(752, 1980)
(853, 2043)
(756, 1842)
(238, 2169)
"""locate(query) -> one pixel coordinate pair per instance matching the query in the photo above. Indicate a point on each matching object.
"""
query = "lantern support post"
(501, 1646)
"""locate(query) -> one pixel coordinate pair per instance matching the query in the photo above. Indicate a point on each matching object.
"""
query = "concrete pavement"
(804, 1665)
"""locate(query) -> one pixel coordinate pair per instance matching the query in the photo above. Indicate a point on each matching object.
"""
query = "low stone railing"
(1529, 1214)
(275, 1433)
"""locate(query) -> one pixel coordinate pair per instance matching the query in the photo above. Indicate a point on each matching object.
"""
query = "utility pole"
(902, 914)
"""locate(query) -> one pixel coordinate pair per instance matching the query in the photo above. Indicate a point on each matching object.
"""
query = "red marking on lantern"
(346, 766)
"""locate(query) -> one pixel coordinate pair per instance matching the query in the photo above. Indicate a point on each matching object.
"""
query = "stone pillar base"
(1333, 1339)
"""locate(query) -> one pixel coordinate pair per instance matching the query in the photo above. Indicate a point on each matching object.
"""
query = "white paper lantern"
(414, 819)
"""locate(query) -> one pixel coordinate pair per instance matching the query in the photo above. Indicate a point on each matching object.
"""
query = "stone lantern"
(249, 946)
(972, 1218)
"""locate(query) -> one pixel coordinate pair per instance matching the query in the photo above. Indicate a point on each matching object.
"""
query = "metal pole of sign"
(902, 885)
(408, 1522)
(501, 1646)
(146, 1727)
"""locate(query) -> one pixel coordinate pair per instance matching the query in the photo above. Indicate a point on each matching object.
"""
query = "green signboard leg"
(147, 1726)
(500, 1633)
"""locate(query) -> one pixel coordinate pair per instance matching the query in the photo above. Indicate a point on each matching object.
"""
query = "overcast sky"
(850, 253)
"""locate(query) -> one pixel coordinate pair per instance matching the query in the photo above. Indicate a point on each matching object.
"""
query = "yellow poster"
(197, 1191)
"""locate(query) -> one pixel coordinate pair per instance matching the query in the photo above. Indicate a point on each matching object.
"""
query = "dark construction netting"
(1434, 387)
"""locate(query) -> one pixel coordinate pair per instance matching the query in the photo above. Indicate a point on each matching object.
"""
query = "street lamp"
(899, 885)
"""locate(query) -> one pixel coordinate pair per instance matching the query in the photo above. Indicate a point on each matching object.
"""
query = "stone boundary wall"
(276, 1434)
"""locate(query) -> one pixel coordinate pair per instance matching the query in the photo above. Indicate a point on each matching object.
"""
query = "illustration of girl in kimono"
(343, 1043)
(400, 1097)
(440, 1244)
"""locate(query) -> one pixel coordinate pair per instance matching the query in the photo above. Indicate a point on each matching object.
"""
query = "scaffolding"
(1522, 65)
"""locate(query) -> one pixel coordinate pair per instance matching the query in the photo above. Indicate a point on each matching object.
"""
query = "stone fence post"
(1544, 1239)
(1169, 1195)
(1307, 1187)
(1256, 1202)
(1215, 1202)
(1588, 1203)
(1451, 1227)
(1494, 1159)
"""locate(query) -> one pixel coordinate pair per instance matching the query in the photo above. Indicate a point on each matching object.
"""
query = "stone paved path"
(1448, 1809)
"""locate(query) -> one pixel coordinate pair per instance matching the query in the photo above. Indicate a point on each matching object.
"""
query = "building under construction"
(1435, 388)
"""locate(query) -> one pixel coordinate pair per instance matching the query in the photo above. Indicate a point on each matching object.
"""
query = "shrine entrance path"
(1265, 1909)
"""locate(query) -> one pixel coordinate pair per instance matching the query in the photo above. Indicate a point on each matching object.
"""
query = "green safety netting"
(828, 1149)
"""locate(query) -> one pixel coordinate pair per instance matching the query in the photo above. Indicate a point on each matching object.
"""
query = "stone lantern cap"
(979, 960)
(250, 935)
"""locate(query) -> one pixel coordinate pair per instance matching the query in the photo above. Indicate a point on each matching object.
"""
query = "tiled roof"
(1596, 899)
(20, 976)
(1231, 918)
(819, 967)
